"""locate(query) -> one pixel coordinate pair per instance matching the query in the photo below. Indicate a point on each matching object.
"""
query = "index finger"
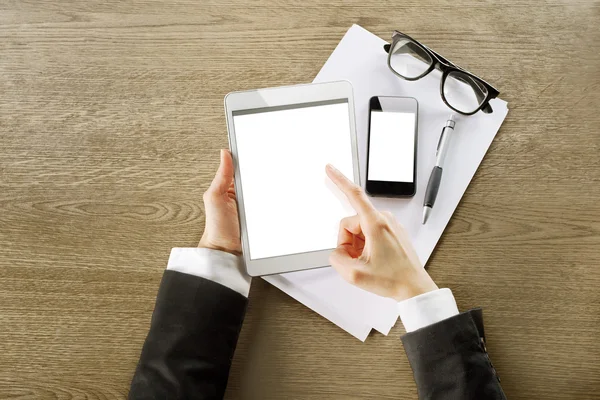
(354, 193)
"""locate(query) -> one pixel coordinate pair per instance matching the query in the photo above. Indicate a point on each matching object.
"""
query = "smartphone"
(392, 146)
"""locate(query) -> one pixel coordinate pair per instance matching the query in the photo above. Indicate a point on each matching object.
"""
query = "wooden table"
(111, 117)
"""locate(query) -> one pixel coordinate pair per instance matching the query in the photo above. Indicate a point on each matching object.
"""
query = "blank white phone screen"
(289, 203)
(392, 146)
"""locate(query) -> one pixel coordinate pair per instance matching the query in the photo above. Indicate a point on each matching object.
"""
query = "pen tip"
(426, 211)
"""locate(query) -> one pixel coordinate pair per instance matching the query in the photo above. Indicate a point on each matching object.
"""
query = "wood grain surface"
(111, 117)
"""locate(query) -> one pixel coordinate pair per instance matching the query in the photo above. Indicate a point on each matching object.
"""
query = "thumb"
(344, 263)
(224, 176)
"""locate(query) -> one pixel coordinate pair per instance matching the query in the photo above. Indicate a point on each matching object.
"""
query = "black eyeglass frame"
(446, 67)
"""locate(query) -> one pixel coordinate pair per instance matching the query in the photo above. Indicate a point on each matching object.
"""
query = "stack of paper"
(360, 59)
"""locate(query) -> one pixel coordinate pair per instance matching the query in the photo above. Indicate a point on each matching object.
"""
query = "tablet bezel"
(285, 96)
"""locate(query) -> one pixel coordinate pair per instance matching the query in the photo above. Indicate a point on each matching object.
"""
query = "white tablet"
(281, 140)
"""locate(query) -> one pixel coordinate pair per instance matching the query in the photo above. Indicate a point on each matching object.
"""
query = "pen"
(436, 174)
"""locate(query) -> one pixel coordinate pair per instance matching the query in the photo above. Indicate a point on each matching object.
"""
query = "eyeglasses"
(462, 91)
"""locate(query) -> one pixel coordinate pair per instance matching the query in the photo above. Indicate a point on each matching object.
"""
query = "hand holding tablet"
(222, 228)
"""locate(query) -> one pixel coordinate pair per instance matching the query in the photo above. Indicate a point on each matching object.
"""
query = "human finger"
(350, 269)
(349, 228)
(341, 259)
(223, 179)
(354, 193)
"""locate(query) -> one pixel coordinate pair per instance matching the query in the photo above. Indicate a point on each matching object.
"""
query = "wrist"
(225, 247)
(420, 284)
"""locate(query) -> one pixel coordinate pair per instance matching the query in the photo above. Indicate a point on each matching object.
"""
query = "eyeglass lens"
(463, 92)
(409, 59)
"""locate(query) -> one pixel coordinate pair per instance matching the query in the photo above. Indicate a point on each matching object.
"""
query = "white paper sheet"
(347, 322)
(360, 59)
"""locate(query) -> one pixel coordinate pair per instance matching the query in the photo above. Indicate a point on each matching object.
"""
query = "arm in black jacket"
(196, 323)
(450, 361)
(192, 338)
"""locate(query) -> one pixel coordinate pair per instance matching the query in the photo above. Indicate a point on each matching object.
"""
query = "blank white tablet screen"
(282, 152)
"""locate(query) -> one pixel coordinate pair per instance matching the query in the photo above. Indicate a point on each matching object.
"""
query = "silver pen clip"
(437, 149)
(449, 125)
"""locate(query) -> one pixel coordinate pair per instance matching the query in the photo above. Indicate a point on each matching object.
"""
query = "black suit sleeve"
(450, 361)
(192, 338)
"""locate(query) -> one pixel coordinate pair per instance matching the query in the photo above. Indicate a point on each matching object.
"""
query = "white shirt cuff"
(217, 266)
(427, 309)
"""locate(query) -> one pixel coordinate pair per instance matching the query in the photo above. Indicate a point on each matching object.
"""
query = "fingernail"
(222, 154)
(331, 168)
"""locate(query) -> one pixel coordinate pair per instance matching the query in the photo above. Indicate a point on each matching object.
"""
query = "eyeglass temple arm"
(486, 109)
